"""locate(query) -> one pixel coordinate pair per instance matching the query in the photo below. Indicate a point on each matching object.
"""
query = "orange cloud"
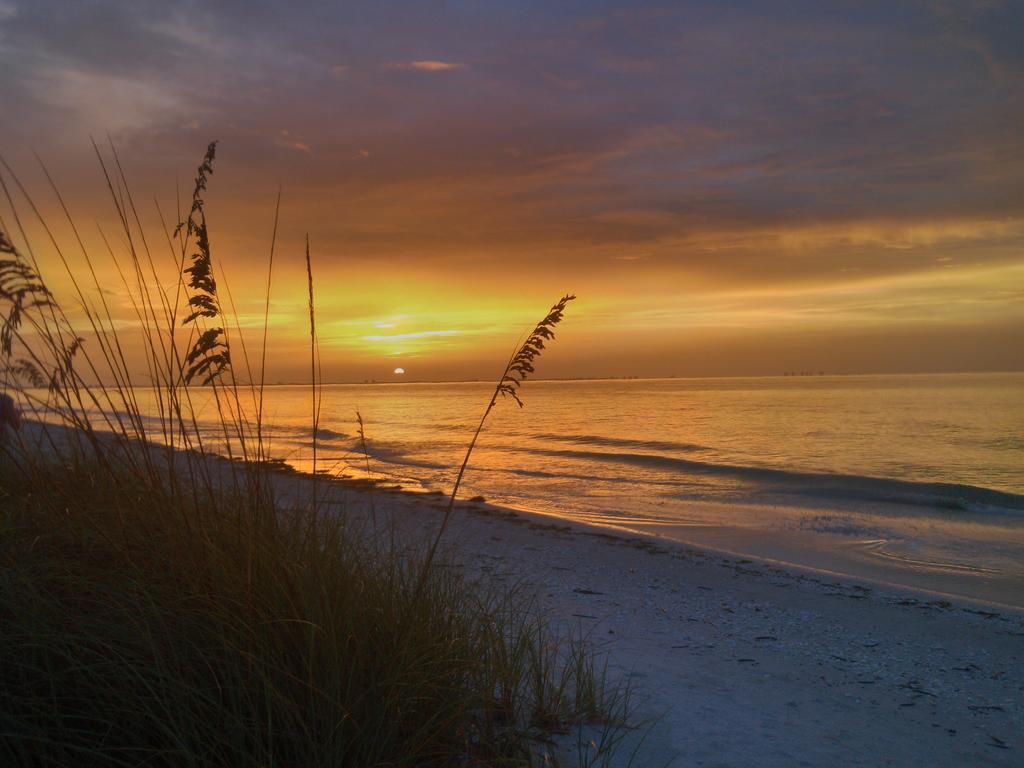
(286, 139)
(426, 65)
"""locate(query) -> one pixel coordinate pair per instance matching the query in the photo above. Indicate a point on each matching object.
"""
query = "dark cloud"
(726, 109)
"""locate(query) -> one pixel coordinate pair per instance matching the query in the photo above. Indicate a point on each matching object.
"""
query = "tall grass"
(160, 606)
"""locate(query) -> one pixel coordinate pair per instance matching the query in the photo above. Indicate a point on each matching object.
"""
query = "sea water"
(920, 476)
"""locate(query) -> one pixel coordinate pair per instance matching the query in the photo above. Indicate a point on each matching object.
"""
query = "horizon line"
(789, 375)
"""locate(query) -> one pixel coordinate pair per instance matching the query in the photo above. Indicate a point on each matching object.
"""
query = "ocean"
(911, 479)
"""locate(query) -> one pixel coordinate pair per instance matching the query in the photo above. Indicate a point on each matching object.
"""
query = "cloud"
(287, 140)
(99, 102)
(990, 30)
(425, 65)
(413, 335)
(711, 147)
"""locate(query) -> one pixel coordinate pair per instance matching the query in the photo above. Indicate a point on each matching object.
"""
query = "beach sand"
(742, 662)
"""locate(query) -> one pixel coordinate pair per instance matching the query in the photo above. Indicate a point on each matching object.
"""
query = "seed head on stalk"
(519, 367)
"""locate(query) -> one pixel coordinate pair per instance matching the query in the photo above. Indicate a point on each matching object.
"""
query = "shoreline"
(816, 553)
(820, 554)
(799, 570)
(810, 553)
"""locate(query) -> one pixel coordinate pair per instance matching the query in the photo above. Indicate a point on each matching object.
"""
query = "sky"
(730, 188)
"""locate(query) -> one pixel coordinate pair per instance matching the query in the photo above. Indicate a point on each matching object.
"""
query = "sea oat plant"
(518, 368)
(159, 611)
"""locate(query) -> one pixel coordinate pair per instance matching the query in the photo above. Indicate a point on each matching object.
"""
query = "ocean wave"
(322, 433)
(399, 454)
(951, 496)
(623, 442)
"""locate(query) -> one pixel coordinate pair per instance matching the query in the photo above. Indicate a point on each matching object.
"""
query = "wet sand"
(883, 563)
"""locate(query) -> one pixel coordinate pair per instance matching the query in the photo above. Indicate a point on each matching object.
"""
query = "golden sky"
(729, 189)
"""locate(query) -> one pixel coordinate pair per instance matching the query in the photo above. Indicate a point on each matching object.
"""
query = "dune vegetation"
(160, 605)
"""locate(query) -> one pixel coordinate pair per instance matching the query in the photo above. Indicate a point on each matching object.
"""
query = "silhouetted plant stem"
(313, 365)
(366, 455)
(519, 366)
(266, 331)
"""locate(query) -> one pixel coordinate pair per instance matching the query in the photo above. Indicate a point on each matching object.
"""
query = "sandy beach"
(740, 662)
